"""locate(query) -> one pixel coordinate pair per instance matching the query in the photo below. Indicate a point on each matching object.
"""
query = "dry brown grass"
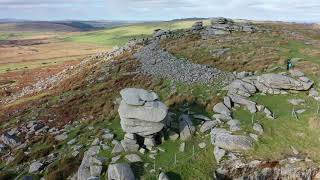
(248, 52)
(314, 122)
(45, 51)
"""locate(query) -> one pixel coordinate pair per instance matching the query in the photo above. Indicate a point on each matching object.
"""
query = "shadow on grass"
(173, 176)
(138, 169)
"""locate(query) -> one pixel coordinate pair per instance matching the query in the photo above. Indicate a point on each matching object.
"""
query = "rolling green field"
(120, 35)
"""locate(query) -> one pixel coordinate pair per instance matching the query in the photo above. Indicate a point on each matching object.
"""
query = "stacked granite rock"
(142, 114)
(197, 26)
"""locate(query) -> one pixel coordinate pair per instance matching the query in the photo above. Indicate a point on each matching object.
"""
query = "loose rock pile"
(155, 61)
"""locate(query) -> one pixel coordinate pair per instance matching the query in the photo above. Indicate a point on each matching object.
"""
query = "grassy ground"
(120, 35)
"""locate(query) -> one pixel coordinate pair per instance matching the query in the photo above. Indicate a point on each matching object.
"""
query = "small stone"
(75, 153)
(133, 158)
(105, 147)
(234, 125)
(61, 137)
(296, 101)
(300, 111)
(258, 128)
(254, 136)
(173, 135)
(35, 167)
(72, 141)
(221, 109)
(95, 142)
(161, 149)
(227, 102)
(142, 151)
(117, 148)
(108, 136)
(93, 178)
(163, 176)
(182, 147)
(115, 159)
(294, 150)
(202, 145)
(152, 156)
(201, 117)
(208, 125)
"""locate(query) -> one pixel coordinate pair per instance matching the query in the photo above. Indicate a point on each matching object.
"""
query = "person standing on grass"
(289, 64)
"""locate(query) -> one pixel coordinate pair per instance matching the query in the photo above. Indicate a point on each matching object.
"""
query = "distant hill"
(56, 26)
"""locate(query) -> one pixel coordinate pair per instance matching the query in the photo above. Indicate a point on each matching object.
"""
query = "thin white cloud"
(290, 10)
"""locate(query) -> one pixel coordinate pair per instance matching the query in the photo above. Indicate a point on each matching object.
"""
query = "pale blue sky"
(286, 10)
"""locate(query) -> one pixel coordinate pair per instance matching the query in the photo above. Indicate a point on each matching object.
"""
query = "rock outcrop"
(225, 140)
(140, 112)
(290, 168)
(272, 82)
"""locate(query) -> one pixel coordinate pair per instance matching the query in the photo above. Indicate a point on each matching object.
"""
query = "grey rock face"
(154, 111)
(88, 163)
(227, 141)
(296, 73)
(142, 128)
(137, 97)
(10, 140)
(186, 127)
(35, 167)
(278, 81)
(221, 109)
(241, 88)
(250, 105)
(120, 171)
